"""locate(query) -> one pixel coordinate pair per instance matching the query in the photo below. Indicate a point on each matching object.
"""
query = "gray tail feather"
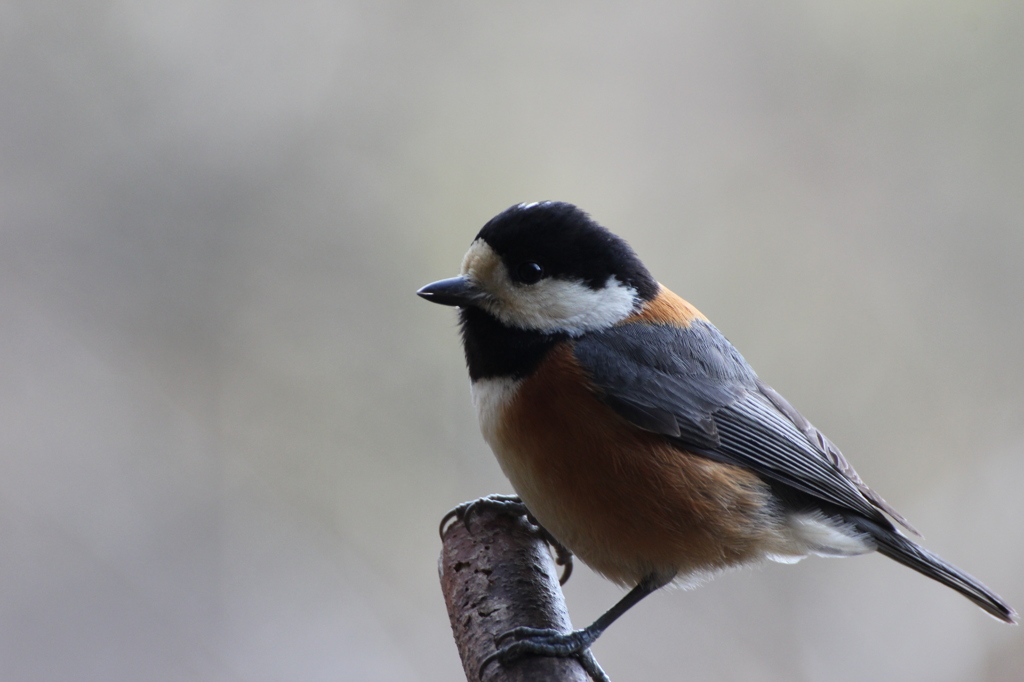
(899, 548)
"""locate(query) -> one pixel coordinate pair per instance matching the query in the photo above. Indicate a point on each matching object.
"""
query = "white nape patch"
(551, 305)
(815, 533)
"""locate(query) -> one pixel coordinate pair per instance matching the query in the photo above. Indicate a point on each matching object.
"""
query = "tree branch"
(497, 574)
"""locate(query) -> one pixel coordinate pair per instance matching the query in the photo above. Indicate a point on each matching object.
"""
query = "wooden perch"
(498, 574)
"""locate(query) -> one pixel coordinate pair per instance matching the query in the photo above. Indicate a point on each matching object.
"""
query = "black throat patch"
(494, 349)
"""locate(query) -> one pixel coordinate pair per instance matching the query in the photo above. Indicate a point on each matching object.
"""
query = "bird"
(634, 432)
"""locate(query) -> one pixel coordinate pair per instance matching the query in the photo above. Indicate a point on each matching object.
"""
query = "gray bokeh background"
(229, 428)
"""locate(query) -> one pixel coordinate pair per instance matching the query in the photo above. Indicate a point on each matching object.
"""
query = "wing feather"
(693, 387)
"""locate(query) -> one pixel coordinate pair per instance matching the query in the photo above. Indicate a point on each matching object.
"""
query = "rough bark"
(496, 575)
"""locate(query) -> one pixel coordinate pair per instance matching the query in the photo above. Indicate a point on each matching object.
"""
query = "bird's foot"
(506, 504)
(548, 642)
(513, 506)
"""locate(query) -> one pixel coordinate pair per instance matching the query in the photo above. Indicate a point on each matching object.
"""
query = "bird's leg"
(512, 505)
(548, 642)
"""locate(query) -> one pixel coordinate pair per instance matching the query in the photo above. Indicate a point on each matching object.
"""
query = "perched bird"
(636, 434)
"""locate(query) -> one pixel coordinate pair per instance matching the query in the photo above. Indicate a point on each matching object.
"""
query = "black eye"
(529, 273)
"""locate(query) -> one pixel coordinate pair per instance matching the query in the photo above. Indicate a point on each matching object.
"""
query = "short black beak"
(454, 291)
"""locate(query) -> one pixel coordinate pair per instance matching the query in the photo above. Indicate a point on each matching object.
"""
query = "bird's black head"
(566, 244)
(548, 267)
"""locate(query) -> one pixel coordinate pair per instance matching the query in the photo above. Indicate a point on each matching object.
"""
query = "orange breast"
(625, 501)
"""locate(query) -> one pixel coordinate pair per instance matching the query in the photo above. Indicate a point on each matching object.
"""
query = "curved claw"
(591, 666)
(505, 503)
(444, 521)
(548, 642)
(457, 511)
(566, 563)
(563, 557)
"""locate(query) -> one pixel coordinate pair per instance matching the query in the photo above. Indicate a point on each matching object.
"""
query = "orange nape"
(666, 308)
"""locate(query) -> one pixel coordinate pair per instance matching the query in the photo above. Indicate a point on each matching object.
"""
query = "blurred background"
(228, 427)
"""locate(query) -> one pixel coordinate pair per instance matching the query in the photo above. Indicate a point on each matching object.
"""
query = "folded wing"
(692, 386)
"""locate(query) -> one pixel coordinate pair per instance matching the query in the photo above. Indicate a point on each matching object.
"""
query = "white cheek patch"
(556, 305)
(551, 305)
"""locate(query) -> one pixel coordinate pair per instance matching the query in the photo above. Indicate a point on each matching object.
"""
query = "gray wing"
(692, 386)
(824, 445)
